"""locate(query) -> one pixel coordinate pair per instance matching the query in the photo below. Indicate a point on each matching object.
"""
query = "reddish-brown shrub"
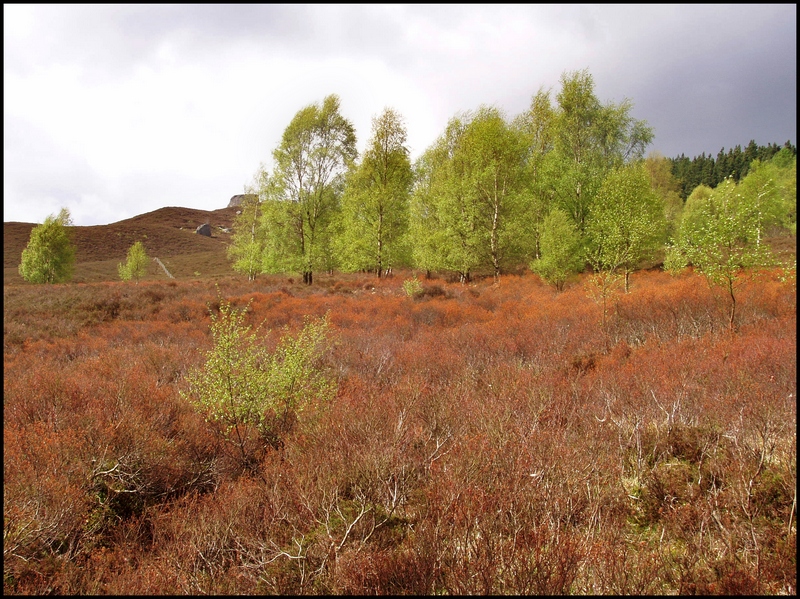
(491, 438)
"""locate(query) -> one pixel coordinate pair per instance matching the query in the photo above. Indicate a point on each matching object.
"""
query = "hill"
(167, 234)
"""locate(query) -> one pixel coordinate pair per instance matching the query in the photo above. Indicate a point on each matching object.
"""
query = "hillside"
(167, 234)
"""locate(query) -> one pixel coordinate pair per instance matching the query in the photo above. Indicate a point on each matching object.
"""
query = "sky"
(116, 110)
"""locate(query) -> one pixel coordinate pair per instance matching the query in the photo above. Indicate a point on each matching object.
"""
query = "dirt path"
(161, 264)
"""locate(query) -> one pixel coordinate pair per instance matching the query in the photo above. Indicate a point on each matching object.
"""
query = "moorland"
(490, 437)
(167, 234)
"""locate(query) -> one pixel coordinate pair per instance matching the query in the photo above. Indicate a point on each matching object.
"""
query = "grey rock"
(237, 200)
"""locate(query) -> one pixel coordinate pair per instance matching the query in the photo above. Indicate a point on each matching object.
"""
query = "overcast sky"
(113, 111)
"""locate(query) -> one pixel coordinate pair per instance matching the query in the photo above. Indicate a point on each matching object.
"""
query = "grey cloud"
(42, 169)
(109, 40)
(704, 76)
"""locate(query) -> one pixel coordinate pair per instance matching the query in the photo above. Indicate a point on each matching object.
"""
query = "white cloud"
(117, 110)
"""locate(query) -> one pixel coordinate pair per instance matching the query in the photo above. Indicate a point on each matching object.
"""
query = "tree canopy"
(247, 243)
(590, 139)
(316, 150)
(561, 249)
(374, 211)
(49, 256)
(626, 224)
(490, 194)
(135, 267)
(721, 235)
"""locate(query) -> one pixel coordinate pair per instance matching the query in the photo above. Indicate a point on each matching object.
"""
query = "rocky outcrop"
(239, 199)
(204, 229)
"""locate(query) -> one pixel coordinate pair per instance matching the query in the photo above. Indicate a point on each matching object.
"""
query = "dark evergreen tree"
(750, 154)
(707, 171)
(734, 163)
(721, 168)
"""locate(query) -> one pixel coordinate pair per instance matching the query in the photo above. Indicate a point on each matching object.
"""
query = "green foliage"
(541, 167)
(247, 243)
(412, 287)
(590, 139)
(468, 197)
(316, 150)
(49, 256)
(773, 188)
(426, 231)
(697, 198)
(477, 198)
(443, 215)
(283, 246)
(667, 187)
(494, 156)
(243, 384)
(374, 215)
(721, 236)
(135, 267)
(561, 249)
(627, 221)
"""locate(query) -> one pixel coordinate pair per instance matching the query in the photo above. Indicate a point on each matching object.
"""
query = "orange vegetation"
(484, 438)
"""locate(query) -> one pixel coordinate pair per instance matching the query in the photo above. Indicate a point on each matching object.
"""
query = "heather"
(498, 436)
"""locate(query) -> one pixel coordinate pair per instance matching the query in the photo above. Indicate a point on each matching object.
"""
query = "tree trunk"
(380, 244)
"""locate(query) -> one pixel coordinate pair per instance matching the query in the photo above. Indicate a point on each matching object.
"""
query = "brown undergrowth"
(484, 438)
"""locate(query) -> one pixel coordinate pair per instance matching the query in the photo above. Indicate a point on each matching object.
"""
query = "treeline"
(562, 187)
(705, 170)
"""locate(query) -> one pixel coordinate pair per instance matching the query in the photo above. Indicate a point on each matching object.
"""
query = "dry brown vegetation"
(167, 234)
(484, 438)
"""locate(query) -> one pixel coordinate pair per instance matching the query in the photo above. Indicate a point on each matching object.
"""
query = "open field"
(482, 438)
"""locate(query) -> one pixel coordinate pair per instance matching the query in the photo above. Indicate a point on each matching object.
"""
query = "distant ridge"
(166, 233)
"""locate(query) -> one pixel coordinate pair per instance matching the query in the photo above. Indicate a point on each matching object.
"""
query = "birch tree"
(375, 203)
(316, 150)
(722, 237)
(468, 200)
(49, 256)
(626, 224)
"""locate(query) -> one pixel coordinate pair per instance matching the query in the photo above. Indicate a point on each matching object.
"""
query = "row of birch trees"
(561, 187)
